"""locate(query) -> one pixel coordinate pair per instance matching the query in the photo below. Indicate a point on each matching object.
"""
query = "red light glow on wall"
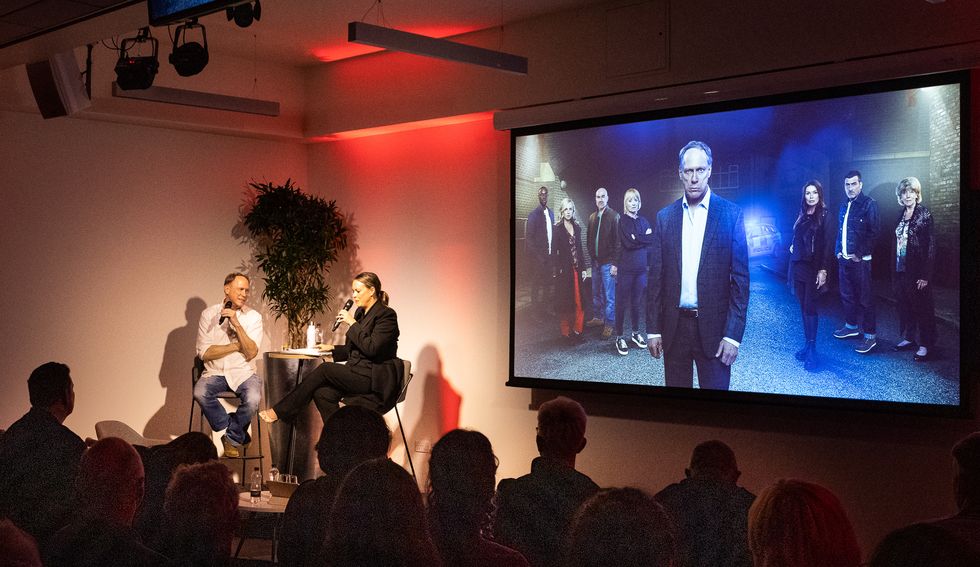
(405, 126)
(348, 50)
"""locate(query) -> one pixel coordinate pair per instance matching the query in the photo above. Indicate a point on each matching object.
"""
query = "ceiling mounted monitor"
(166, 12)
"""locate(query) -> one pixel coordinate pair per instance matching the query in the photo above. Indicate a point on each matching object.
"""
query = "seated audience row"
(174, 504)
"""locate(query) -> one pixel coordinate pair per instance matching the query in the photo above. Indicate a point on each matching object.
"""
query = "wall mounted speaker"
(59, 89)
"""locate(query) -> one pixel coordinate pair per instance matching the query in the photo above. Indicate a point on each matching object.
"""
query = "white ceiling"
(294, 32)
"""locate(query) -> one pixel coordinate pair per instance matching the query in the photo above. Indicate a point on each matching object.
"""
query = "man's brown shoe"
(607, 332)
(231, 450)
(594, 322)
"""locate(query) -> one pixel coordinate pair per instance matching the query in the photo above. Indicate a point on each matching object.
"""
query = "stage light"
(245, 14)
(137, 71)
(190, 57)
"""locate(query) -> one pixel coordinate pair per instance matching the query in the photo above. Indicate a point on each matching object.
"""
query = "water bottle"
(311, 336)
(255, 492)
(274, 474)
(319, 334)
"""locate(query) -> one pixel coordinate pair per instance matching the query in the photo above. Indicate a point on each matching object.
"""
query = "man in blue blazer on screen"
(698, 287)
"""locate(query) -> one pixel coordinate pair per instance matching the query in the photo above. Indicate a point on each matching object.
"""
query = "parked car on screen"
(763, 239)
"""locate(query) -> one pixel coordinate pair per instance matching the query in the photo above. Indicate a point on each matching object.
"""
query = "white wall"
(110, 233)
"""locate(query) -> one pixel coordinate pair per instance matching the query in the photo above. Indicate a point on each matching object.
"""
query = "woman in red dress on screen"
(568, 267)
(371, 372)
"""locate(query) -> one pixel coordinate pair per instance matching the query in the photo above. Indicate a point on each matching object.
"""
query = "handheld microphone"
(224, 318)
(347, 306)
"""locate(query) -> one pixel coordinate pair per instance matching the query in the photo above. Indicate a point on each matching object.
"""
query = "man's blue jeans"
(604, 293)
(249, 393)
(856, 294)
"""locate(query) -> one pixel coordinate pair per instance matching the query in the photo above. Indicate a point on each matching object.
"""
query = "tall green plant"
(295, 237)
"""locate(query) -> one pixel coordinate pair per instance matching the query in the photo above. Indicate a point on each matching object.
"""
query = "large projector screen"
(764, 152)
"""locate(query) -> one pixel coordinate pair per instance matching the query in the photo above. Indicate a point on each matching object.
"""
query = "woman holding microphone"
(371, 369)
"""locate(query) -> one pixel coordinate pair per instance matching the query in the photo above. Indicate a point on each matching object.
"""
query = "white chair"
(119, 429)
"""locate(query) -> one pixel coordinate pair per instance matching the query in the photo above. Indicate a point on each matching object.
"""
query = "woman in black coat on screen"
(810, 253)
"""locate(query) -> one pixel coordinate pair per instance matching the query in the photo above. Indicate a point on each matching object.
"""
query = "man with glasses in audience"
(698, 289)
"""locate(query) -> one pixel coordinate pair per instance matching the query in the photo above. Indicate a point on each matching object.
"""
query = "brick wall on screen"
(527, 162)
(941, 192)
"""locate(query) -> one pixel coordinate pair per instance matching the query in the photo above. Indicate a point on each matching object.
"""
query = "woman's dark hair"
(620, 526)
(371, 280)
(821, 203)
(923, 545)
(461, 488)
(201, 514)
(378, 519)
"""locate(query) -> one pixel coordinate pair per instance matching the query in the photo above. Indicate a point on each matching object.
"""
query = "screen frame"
(968, 249)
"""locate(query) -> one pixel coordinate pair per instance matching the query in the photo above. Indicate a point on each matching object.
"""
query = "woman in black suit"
(371, 371)
(810, 253)
(915, 255)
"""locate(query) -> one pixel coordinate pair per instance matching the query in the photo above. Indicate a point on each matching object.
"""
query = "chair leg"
(258, 422)
(190, 420)
(408, 452)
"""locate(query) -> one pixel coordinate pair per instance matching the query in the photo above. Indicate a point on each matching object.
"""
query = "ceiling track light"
(190, 57)
(137, 71)
(245, 14)
(397, 40)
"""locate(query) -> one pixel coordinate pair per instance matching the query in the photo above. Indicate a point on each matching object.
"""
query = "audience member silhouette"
(461, 475)
(923, 545)
(351, 436)
(39, 456)
(17, 547)
(201, 514)
(620, 527)
(709, 510)
(794, 523)
(378, 520)
(535, 510)
(108, 493)
(966, 489)
(159, 464)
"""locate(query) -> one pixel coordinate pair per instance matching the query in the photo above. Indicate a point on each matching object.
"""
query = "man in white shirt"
(698, 289)
(228, 336)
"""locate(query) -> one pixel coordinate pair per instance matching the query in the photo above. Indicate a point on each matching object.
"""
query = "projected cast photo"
(803, 248)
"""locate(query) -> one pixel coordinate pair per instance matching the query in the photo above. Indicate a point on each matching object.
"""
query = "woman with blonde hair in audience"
(795, 523)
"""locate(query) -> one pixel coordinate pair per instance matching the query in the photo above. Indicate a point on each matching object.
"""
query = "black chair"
(232, 397)
(383, 407)
(401, 398)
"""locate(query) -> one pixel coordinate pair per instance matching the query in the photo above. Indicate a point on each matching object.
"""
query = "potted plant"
(295, 238)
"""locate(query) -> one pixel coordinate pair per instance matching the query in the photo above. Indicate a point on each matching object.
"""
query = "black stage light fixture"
(137, 71)
(190, 57)
(245, 14)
